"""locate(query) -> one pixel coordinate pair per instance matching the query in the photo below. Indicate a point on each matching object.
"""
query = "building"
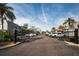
(9, 26)
(12, 26)
(69, 30)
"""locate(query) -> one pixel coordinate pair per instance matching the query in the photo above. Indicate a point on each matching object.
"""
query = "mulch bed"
(5, 43)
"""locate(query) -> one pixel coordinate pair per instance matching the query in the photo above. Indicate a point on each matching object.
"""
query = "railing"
(72, 36)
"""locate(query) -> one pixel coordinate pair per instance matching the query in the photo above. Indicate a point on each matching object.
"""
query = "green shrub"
(6, 36)
(1, 36)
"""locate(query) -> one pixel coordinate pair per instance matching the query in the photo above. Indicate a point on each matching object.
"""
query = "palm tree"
(70, 22)
(53, 29)
(25, 26)
(61, 28)
(6, 12)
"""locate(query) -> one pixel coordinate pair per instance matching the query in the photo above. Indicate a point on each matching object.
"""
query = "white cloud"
(43, 14)
(43, 27)
(61, 21)
(76, 17)
(21, 21)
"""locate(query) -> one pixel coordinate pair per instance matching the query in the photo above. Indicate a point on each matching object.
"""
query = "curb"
(72, 44)
(8, 46)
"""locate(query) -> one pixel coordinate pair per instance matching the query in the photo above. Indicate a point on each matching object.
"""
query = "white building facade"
(9, 26)
(70, 30)
(5, 25)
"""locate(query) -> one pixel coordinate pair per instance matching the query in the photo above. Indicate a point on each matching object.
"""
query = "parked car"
(27, 35)
(54, 34)
(60, 34)
(50, 34)
(30, 35)
(34, 34)
(57, 34)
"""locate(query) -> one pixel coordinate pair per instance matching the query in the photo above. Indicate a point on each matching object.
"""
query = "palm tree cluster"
(70, 21)
(27, 30)
(61, 28)
(6, 12)
(53, 29)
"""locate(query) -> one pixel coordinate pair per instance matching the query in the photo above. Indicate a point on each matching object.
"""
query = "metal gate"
(76, 36)
(73, 36)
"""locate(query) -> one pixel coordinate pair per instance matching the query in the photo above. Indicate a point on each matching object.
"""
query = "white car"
(30, 35)
(59, 34)
(27, 35)
(50, 35)
(54, 34)
(34, 34)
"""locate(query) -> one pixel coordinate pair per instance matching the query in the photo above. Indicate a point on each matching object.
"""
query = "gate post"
(15, 36)
(76, 36)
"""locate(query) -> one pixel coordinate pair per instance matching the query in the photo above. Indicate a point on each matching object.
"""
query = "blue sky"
(44, 16)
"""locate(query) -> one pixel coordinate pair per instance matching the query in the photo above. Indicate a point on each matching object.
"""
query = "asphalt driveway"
(45, 46)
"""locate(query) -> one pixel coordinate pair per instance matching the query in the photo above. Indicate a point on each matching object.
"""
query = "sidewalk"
(9, 45)
(71, 43)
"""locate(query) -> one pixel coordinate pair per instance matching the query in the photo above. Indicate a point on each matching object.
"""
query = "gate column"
(76, 36)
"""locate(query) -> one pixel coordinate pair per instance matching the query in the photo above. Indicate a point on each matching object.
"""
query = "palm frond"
(65, 22)
(10, 15)
(3, 4)
(9, 8)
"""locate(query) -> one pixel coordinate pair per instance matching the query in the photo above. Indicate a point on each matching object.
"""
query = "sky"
(44, 16)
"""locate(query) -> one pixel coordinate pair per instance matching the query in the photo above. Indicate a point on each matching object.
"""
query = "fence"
(8, 36)
(18, 36)
(72, 36)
